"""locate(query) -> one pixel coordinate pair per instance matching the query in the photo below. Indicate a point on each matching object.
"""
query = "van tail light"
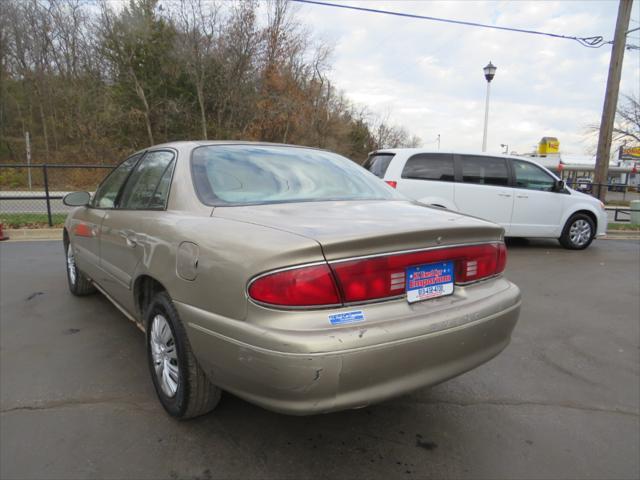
(384, 276)
(311, 286)
(372, 278)
(391, 183)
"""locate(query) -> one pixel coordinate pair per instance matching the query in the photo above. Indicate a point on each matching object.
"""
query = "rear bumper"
(348, 374)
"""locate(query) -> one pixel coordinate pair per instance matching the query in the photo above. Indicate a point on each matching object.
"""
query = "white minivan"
(515, 192)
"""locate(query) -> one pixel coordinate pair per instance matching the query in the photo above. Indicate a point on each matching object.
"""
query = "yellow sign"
(631, 151)
(548, 145)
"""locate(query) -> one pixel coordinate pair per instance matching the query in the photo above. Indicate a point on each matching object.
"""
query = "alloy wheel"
(164, 355)
(71, 265)
(580, 232)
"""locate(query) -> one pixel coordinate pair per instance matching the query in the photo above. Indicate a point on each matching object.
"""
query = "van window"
(484, 170)
(430, 166)
(532, 177)
(378, 163)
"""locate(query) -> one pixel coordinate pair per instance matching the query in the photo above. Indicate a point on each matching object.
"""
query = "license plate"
(429, 281)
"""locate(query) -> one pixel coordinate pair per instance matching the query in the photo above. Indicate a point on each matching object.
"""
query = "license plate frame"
(429, 280)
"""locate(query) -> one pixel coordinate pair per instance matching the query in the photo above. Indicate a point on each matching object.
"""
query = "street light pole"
(489, 73)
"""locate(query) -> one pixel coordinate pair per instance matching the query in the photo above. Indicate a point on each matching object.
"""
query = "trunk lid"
(355, 228)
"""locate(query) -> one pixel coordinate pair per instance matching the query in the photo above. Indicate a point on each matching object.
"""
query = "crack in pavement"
(528, 403)
(70, 402)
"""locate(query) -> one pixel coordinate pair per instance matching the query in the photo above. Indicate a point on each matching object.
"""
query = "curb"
(622, 235)
(22, 234)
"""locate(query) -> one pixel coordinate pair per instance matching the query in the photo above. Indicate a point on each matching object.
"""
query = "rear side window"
(430, 166)
(484, 170)
(378, 163)
(107, 192)
(148, 185)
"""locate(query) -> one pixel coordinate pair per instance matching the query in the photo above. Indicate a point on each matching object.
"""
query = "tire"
(79, 284)
(181, 385)
(578, 233)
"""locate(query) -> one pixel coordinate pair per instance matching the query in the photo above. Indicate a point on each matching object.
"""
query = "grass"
(624, 227)
(618, 203)
(31, 220)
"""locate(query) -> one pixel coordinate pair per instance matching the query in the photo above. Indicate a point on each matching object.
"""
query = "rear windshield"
(247, 174)
(378, 163)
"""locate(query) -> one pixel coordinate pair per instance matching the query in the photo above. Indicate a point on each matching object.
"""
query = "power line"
(589, 42)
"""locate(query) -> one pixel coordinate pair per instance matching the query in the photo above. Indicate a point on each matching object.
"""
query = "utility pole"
(611, 97)
(438, 142)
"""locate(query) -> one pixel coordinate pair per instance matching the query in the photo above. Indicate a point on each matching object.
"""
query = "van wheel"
(79, 284)
(181, 385)
(578, 232)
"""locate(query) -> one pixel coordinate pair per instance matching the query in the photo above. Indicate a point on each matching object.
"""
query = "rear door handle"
(129, 238)
(522, 196)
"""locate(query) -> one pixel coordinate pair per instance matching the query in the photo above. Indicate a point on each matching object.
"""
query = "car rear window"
(430, 166)
(253, 174)
(378, 163)
(484, 170)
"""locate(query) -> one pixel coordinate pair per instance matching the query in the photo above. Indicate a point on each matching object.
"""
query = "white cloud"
(428, 76)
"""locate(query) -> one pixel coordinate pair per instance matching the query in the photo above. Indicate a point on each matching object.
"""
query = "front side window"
(532, 177)
(148, 185)
(430, 166)
(250, 174)
(484, 170)
(378, 163)
(107, 192)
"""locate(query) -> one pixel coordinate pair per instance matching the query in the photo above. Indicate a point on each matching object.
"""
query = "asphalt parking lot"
(562, 401)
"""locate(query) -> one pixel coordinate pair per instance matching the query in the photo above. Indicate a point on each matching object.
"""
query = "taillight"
(391, 183)
(371, 278)
(481, 262)
(311, 286)
(380, 277)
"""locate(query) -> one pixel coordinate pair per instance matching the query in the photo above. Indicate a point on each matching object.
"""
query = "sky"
(428, 77)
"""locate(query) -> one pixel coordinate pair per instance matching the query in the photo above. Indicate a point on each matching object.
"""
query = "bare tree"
(89, 82)
(197, 24)
(627, 125)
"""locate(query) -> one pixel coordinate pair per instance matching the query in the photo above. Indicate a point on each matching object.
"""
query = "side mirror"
(76, 199)
(559, 186)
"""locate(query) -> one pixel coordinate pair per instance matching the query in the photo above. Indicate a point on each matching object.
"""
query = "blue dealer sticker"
(354, 316)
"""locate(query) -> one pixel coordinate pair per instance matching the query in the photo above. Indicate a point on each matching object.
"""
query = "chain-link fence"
(618, 192)
(33, 193)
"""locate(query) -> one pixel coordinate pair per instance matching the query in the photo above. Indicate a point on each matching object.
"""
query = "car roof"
(178, 144)
(450, 152)
(414, 151)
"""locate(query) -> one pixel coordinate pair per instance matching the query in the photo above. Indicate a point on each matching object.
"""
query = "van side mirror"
(76, 199)
(558, 186)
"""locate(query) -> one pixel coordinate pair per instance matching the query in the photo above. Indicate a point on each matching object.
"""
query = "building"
(578, 170)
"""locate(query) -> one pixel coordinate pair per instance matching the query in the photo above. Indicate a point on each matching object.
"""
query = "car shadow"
(398, 437)
(539, 243)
